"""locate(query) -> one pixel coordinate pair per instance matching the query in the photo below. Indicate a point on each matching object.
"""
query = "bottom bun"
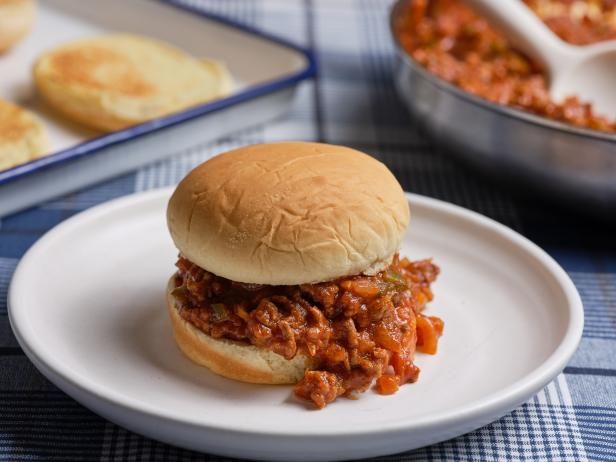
(231, 359)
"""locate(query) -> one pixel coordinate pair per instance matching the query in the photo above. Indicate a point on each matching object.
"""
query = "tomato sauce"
(355, 330)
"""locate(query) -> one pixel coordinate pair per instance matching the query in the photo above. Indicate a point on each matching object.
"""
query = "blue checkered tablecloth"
(352, 102)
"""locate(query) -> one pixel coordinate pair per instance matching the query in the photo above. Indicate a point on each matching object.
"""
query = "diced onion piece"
(384, 339)
(387, 384)
(365, 288)
(438, 324)
(427, 336)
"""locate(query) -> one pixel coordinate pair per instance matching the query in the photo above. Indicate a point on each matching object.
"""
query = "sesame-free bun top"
(22, 136)
(289, 213)
(113, 81)
(16, 19)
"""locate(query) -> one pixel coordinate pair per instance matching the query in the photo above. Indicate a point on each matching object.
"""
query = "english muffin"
(114, 81)
(16, 18)
(22, 137)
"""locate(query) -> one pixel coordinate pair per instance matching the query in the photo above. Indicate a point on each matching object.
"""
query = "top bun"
(289, 213)
(22, 136)
(114, 81)
(16, 19)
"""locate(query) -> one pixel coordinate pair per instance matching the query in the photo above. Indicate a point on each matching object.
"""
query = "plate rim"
(501, 401)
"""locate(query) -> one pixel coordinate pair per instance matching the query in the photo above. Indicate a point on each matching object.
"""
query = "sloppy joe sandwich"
(289, 271)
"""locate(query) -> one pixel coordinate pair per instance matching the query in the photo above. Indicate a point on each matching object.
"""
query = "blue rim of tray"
(94, 145)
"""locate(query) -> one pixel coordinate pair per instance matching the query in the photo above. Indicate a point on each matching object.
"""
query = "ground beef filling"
(355, 329)
(451, 41)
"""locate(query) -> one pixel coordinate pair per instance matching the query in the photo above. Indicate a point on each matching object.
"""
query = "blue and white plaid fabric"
(352, 102)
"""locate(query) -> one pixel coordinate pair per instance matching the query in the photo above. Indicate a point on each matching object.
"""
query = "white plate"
(87, 305)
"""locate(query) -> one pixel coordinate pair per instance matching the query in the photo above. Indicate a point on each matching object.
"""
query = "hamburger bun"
(16, 19)
(22, 137)
(114, 81)
(289, 213)
(234, 360)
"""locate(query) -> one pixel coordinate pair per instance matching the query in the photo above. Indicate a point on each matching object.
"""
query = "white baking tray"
(265, 69)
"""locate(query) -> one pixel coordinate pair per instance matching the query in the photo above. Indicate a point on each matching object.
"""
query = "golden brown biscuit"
(16, 18)
(22, 137)
(114, 81)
